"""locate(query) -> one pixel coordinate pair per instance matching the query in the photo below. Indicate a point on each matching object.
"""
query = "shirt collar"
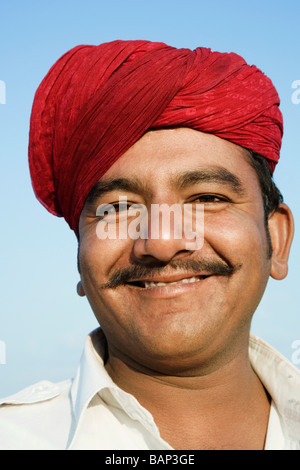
(91, 375)
(92, 379)
(280, 378)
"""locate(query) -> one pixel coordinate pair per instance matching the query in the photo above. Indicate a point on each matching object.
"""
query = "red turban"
(97, 101)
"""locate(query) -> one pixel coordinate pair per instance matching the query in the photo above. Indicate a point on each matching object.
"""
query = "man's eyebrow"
(180, 180)
(118, 184)
(209, 175)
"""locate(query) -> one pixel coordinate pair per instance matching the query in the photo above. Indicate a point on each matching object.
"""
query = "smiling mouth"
(149, 284)
(192, 273)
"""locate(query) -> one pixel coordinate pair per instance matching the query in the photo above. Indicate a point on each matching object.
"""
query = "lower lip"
(169, 291)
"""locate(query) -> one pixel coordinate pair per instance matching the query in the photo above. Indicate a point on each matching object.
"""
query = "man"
(135, 124)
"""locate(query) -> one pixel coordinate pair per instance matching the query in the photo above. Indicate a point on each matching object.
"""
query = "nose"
(160, 249)
(163, 240)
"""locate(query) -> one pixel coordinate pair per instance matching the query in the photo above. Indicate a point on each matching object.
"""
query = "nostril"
(161, 249)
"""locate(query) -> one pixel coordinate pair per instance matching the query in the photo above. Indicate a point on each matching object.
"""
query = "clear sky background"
(43, 323)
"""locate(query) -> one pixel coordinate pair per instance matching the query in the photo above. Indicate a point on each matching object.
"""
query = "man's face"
(208, 295)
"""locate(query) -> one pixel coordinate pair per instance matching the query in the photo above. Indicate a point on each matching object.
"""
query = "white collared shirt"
(91, 412)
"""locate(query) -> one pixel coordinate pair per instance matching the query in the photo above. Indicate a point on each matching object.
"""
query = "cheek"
(238, 236)
(241, 240)
(98, 258)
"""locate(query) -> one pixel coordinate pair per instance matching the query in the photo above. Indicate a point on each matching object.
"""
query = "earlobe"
(281, 228)
(80, 290)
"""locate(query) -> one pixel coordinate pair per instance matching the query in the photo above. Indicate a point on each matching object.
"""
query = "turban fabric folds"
(97, 101)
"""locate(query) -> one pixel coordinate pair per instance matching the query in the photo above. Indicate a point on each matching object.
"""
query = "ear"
(281, 228)
(80, 290)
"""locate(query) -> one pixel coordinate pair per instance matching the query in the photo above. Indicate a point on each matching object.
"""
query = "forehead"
(167, 156)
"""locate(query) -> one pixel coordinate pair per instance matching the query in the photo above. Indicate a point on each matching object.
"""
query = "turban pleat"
(97, 101)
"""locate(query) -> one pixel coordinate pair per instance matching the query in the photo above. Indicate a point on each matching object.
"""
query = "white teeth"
(183, 281)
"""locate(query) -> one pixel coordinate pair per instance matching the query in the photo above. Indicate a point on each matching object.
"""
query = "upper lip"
(170, 278)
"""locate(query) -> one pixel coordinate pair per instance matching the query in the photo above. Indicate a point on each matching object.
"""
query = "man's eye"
(110, 210)
(131, 207)
(118, 209)
(122, 206)
(206, 198)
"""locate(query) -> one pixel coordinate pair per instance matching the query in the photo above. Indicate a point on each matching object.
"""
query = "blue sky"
(43, 322)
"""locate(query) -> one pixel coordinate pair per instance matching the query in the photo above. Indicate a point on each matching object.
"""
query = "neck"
(229, 401)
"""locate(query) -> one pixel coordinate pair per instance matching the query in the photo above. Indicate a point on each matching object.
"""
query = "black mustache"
(140, 272)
